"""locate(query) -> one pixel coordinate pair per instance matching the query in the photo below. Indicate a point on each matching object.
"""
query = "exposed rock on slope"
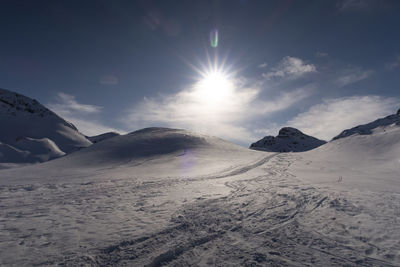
(35, 131)
(288, 140)
(371, 127)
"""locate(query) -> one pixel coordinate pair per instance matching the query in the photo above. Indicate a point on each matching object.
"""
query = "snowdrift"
(30, 150)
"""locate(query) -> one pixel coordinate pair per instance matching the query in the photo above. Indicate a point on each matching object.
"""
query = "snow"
(171, 197)
(23, 117)
(101, 137)
(30, 150)
(288, 140)
(369, 128)
(367, 156)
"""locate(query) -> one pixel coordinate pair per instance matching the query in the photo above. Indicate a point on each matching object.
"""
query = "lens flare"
(214, 38)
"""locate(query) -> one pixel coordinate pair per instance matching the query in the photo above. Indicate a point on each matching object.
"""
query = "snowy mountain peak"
(372, 127)
(288, 140)
(30, 132)
(289, 131)
(17, 104)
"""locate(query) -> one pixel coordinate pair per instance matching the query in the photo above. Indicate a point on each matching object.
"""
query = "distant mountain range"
(31, 133)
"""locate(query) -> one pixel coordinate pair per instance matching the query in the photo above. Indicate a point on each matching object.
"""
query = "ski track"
(267, 217)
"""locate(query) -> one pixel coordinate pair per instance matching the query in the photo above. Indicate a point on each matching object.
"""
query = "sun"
(214, 88)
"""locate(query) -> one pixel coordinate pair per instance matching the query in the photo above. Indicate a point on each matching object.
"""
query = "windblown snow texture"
(288, 140)
(30, 132)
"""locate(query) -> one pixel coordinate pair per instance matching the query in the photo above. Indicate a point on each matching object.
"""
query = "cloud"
(284, 101)
(332, 116)
(352, 75)
(91, 127)
(227, 115)
(290, 67)
(81, 115)
(67, 104)
(109, 80)
(263, 65)
(321, 54)
(353, 4)
(394, 64)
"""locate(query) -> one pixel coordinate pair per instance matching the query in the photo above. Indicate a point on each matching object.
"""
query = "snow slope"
(23, 118)
(30, 150)
(364, 156)
(101, 137)
(150, 152)
(288, 140)
(167, 197)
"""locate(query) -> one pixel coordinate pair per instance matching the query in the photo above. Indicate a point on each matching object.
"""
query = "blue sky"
(320, 66)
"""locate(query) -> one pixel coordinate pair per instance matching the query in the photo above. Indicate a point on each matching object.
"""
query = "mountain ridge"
(24, 120)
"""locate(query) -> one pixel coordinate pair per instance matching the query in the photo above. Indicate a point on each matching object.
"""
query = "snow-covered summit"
(23, 119)
(369, 128)
(15, 104)
(137, 145)
(150, 152)
(288, 140)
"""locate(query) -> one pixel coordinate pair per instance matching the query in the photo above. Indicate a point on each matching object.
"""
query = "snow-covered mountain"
(288, 140)
(30, 132)
(154, 152)
(101, 137)
(376, 126)
(171, 197)
(366, 155)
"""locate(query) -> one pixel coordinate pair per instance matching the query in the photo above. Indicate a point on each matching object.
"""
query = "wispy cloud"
(263, 65)
(393, 64)
(332, 116)
(66, 104)
(227, 118)
(321, 54)
(351, 75)
(109, 80)
(91, 127)
(353, 4)
(283, 101)
(83, 116)
(290, 67)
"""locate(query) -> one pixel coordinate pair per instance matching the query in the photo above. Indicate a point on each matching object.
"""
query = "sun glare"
(214, 88)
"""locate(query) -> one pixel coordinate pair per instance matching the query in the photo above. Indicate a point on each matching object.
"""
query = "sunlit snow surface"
(171, 197)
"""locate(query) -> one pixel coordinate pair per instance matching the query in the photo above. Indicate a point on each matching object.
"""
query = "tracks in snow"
(269, 219)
